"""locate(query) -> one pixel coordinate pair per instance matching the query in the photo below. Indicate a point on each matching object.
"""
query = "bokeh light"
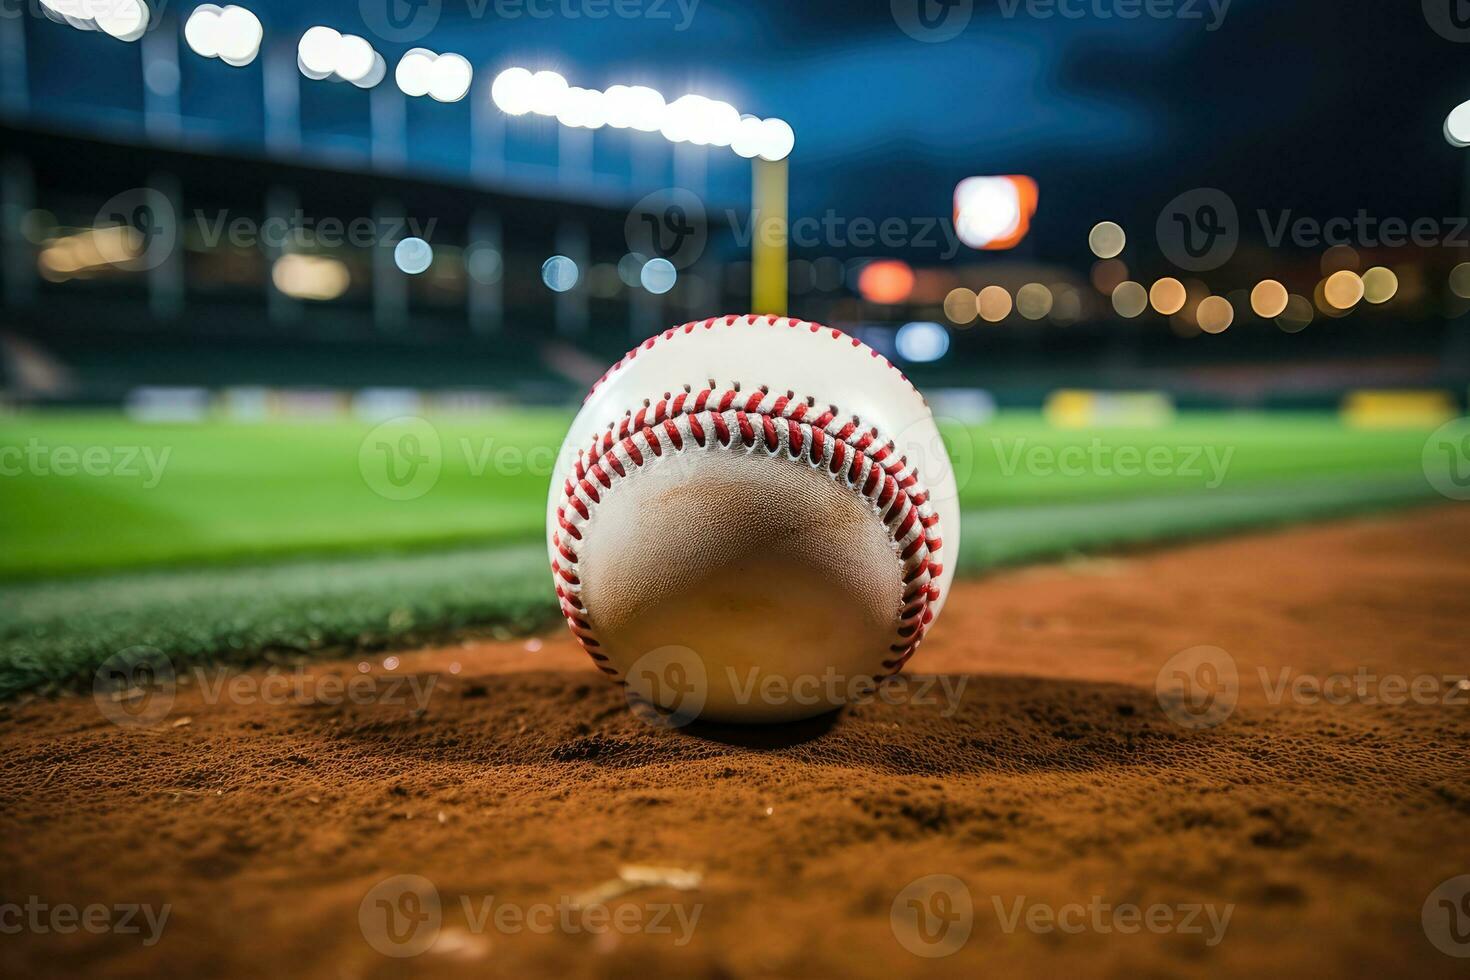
(559, 273)
(1379, 285)
(1167, 296)
(886, 281)
(1268, 299)
(1033, 301)
(1106, 239)
(658, 276)
(1297, 314)
(921, 342)
(1215, 314)
(1130, 299)
(413, 255)
(994, 304)
(959, 305)
(1343, 289)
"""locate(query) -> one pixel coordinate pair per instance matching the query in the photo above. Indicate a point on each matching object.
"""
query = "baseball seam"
(749, 320)
(758, 423)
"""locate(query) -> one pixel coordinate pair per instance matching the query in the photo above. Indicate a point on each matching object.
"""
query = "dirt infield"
(1299, 826)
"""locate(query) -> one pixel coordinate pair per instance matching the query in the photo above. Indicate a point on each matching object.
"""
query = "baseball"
(753, 518)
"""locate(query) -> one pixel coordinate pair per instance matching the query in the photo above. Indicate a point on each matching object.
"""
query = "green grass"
(269, 539)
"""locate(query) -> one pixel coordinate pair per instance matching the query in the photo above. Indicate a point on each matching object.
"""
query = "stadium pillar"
(280, 205)
(281, 84)
(166, 279)
(159, 51)
(390, 286)
(14, 84)
(486, 268)
(768, 246)
(17, 198)
(388, 126)
(571, 306)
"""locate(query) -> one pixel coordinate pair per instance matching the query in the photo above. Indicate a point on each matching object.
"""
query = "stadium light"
(126, 20)
(325, 53)
(691, 118)
(1457, 125)
(232, 34)
(442, 77)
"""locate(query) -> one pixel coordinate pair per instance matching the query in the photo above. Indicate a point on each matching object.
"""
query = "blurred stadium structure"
(221, 211)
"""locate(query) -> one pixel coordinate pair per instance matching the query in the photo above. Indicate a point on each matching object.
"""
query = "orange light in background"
(1167, 296)
(1343, 289)
(1268, 299)
(886, 281)
(994, 303)
(1215, 314)
(994, 213)
(1108, 274)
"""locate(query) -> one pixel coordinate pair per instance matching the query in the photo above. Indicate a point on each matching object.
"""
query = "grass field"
(231, 540)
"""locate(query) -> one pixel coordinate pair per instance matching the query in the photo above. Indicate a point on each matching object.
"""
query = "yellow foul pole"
(768, 241)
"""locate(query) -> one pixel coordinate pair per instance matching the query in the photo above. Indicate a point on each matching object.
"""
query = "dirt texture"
(1085, 813)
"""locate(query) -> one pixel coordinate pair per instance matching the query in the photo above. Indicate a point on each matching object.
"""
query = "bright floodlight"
(777, 140)
(449, 78)
(1457, 125)
(126, 20)
(582, 108)
(376, 74)
(239, 37)
(548, 90)
(413, 255)
(645, 109)
(658, 276)
(921, 342)
(988, 209)
(749, 137)
(415, 71)
(317, 51)
(202, 30)
(354, 58)
(511, 91)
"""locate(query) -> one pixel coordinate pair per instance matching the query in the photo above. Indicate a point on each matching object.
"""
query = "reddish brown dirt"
(1056, 779)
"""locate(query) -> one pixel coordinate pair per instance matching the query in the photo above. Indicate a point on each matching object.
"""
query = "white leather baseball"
(764, 504)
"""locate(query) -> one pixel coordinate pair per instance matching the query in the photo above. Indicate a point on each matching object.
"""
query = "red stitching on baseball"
(889, 487)
(750, 320)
